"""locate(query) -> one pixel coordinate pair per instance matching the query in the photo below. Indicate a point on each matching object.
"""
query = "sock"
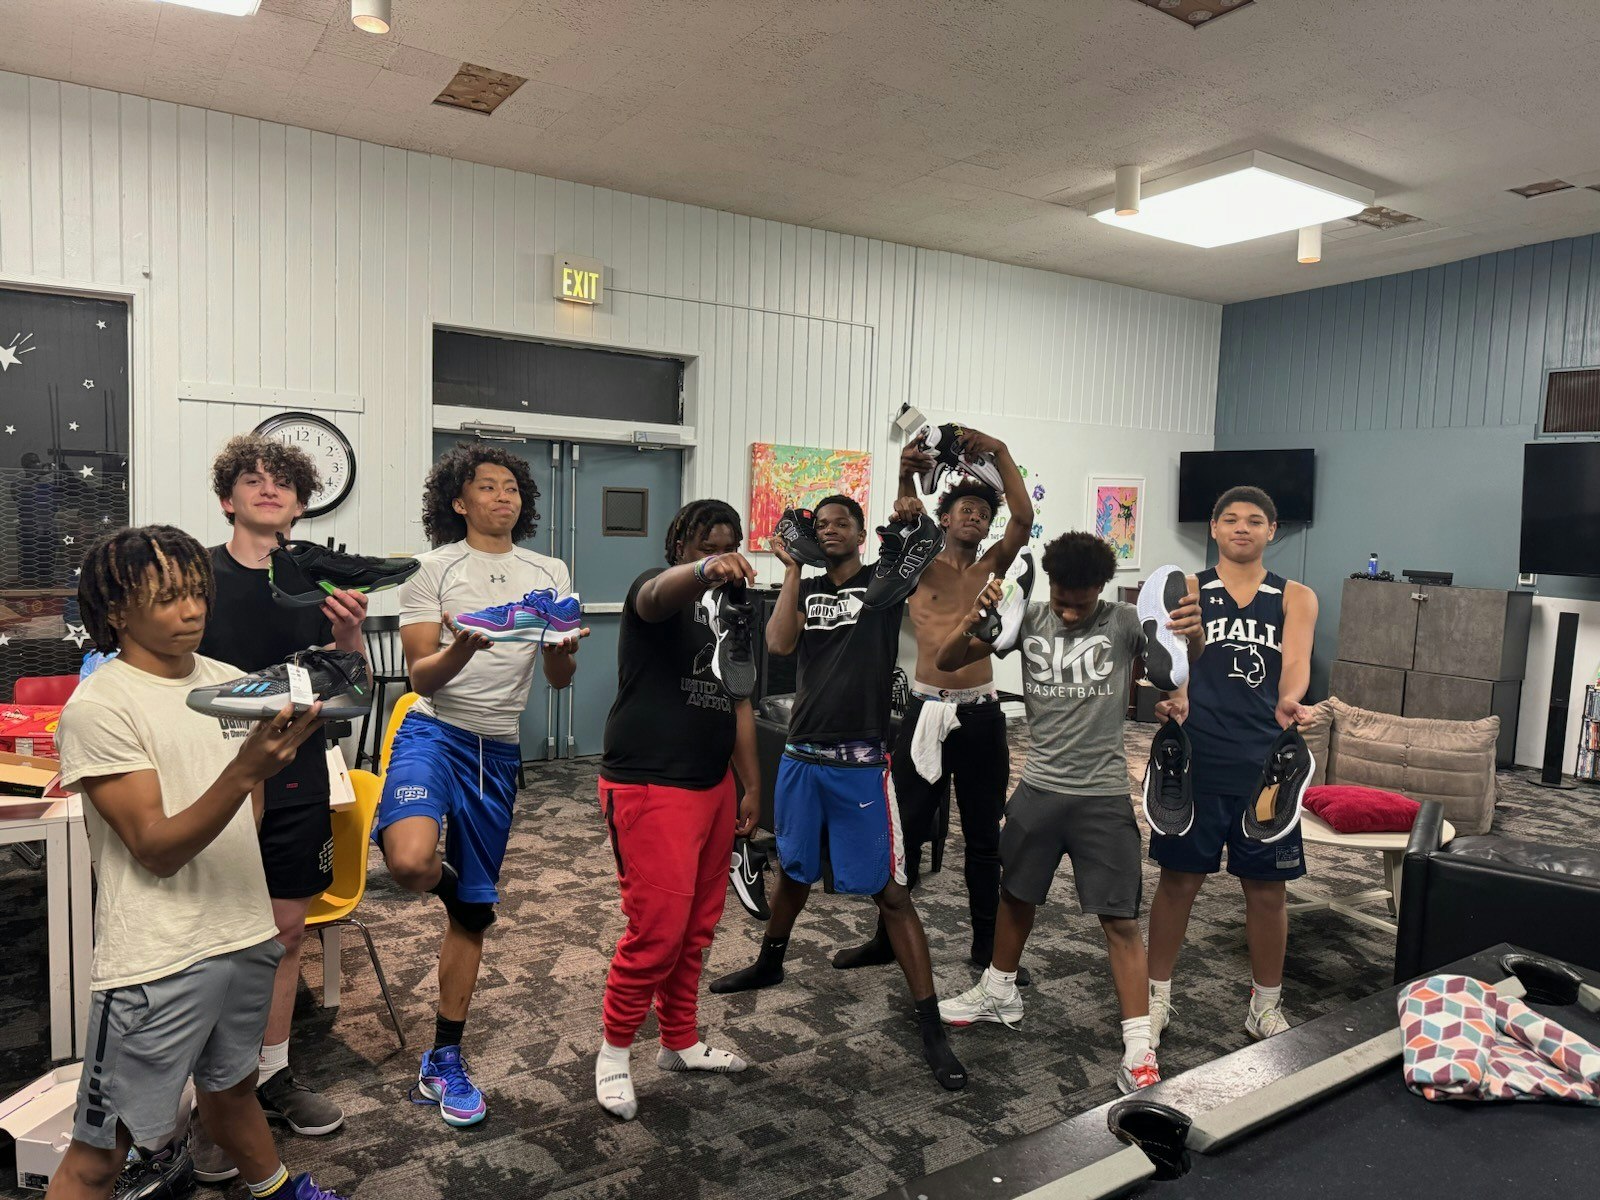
(278, 1182)
(447, 1032)
(1002, 985)
(874, 952)
(766, 971)
(947, 1068)
(1135, 1040)
(1263, 998)
(1161, 988)
(699, 1057)
(613, 1081)
(273, 1059)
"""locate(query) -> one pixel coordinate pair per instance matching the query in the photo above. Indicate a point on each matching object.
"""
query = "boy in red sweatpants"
(668, 797)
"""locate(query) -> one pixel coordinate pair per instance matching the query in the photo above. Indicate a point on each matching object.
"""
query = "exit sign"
(579, 280)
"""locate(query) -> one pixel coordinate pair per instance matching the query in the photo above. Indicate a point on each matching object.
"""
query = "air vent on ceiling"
(1195, 13)
(1380, 217)
(478, 89)
(1572, 401)
(1529, 190)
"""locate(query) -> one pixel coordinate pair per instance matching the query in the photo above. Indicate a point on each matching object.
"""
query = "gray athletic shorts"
(145, 1040)
(1099, 835)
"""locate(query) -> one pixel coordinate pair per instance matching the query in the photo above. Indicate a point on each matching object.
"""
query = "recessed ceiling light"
(1236, 199)
(1529, 190)
(230, 8)
(370, 16)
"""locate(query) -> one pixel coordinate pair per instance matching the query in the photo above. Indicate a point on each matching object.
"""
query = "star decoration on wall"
(5, 639)
(88, 384)
(76, 635)
(99, 324)
(8, 354)
(87, 472)
(76, 571)
(72, 425)
(103, 521)
(68, 540)
(10, 429)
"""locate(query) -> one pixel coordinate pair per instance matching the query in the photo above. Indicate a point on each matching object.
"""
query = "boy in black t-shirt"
(835, 772)
(668, 798)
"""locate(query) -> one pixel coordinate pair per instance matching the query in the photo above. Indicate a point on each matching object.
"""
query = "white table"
(1392, 846)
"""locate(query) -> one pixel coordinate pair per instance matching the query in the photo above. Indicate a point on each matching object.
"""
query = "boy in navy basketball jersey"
(1241, 694)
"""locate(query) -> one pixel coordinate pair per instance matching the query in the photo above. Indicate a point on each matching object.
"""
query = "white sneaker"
(1160, 1016)
(1141, 1074)
(1267, 1023)
(978, 1003)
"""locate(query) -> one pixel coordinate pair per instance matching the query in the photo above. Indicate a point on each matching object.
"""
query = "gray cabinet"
(1424, 651)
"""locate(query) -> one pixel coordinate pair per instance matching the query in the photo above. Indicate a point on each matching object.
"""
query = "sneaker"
(797, 530)
(1168, 795)
(540, 616)
(1166, 655)
(1001, 626)
(303, 1187)
(1269, 1022)
(1275, 809)
(731, 616)
(211, 1161)
(310, 1114)
(905, 550)
(1161, 1011)
(339, 679)
(165, 1174)
(978, 1003)
(302, 574)
(748, 875)
(944, 443)
(1141, 1074)
(443, 1080)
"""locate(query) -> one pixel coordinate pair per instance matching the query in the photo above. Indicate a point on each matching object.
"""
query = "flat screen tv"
(1288, 476)
(1560, 509)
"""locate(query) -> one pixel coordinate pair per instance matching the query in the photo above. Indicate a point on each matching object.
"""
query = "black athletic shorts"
(297, 850)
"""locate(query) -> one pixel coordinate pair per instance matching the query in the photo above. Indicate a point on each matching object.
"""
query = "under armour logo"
(1214, 599)
(497, 579)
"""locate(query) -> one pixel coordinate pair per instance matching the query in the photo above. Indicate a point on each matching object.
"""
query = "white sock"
(613, 1081)
(1263, 998)
(1135, 1040)
(273, 1059)
(1002, 985)
(1161, 988)
(699, 1057)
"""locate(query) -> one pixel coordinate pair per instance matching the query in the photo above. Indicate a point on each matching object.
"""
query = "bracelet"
(700, 570)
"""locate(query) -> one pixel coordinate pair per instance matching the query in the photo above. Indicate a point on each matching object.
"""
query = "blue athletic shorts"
(437, 769)
(853, 805)
(1218, 822)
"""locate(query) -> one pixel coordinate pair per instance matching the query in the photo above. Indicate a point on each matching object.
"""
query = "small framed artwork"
(1116, 513)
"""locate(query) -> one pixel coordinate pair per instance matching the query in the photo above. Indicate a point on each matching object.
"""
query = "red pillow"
(1362, 809)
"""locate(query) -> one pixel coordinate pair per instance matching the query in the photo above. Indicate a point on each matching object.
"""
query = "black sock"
(447, 1032)
(947, 1068)
(874, 952)
(766, 971)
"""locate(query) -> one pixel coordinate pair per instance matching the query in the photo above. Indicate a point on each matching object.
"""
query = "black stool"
(388, 668)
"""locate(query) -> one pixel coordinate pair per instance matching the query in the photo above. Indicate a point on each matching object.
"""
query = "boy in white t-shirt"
(184, 953)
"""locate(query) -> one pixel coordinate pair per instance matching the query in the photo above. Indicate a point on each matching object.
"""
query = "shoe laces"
(1171, 775)
(311, 1191)
(332, 661)
(1145, 1072)
(453, 1070)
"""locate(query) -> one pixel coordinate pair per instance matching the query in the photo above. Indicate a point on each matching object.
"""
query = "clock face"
(327, 447)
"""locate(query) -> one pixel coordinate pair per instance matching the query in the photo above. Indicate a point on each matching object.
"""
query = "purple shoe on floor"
(540, 616)
(443, 1080)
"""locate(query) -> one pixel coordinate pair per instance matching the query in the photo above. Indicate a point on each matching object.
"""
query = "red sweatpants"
(672, 847)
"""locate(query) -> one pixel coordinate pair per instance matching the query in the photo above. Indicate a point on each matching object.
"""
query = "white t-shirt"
(122, 719)
(488, 696)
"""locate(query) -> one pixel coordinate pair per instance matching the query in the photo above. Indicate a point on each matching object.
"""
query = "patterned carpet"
(837, 1103)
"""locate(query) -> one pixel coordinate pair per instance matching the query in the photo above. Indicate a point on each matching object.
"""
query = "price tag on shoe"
(301, 694)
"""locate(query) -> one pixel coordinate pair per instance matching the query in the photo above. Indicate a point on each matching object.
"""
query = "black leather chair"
(1484, 889)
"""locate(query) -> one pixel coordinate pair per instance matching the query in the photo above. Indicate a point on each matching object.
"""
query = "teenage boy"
(1078, 653)
(185, 948)
(1239, 698)
(457, 752)
(974, 757)
(834, 777)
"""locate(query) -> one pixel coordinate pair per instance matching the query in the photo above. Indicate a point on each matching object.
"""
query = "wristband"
(700, 570)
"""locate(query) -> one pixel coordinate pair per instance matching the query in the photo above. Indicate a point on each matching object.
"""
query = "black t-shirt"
(249, 630)
(672, 722)
(847, 657)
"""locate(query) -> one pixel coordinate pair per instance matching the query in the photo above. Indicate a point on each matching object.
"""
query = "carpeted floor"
(837, 1102)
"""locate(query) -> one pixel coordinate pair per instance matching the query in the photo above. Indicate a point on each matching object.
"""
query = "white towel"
(934, 724)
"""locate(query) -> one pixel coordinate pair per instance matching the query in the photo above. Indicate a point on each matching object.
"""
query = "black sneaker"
(165, 1174)
(748, 875)
(904, 552)
(797, 530)
(310, 1114)
(1168, 792)
(1166, 656)
(944, 443)
(732, 620)
(1274, 807)
(302, 574)
(338, 678)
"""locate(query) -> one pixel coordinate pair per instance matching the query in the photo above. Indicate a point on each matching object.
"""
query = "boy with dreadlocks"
(185, 948)
(667, 793)
(457, 751)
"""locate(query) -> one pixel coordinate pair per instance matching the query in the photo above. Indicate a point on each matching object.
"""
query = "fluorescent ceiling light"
(230, 8)
(1235, 199)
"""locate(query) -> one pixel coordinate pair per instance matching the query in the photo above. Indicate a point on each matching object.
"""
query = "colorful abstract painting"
(1115, 515)
(785, 476)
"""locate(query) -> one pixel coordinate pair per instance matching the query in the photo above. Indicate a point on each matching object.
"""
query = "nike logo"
(868, 804)
(742, 864)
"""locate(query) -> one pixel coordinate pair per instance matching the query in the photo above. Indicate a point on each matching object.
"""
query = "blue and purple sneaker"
(540, 616)
(443, 1081)
(303, 1187)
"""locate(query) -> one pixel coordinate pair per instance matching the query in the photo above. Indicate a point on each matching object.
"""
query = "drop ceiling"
(974, 127)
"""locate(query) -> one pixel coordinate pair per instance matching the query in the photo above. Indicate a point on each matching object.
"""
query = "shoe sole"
(1166, 661)
(1011, 616)
(252, 708)
(540, 636)
(984, 1020)
(1257, 1035)
(1127, 1086)
(1294, 821)
(303, 1130)
(454, 1122)
(215, 1176)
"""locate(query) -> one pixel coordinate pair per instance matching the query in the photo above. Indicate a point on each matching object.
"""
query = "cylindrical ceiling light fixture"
(1311, 244)
(1127, 199)
(370, 16)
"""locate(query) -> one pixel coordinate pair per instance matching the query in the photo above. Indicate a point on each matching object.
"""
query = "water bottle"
(1372, 565)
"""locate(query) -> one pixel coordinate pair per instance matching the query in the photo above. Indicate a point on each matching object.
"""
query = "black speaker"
(1555, 731)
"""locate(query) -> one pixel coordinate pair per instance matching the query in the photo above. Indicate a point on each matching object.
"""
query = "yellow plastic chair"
(352, 833)
(401, 707)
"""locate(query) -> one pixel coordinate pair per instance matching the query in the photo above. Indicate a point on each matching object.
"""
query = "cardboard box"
(22, 775)
(39, 1117)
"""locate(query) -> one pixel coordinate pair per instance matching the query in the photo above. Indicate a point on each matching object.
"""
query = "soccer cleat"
(905, 550)
(1168, 793)
(1166, 655)
(339, 679)
(748, 875)
(303, 574)
(443, 1080)
(1269, 1022)
(797, 530)
(1274, 808)
(165, 1174)
(541, 616)
(1140, 1075)
(732, 620)
(309, 1113)
(978, 1003)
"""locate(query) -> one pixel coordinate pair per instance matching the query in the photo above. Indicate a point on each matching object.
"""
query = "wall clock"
(328, 448)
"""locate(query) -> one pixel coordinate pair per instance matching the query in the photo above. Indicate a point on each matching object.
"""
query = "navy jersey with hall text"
(1233, 686)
